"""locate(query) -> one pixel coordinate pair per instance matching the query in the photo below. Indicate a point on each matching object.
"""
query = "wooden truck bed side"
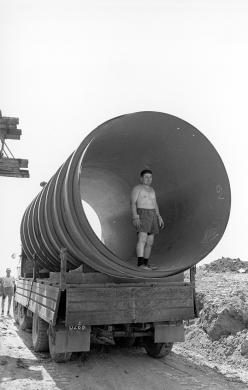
(38, 298)
(130, 303)
(95, 299)
(78, 306)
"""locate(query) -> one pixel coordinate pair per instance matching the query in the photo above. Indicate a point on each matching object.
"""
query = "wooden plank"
(170, 314)
(102, 307)
(41, 300)
(10, 133)
(9, 119)
(42, 289)
(93, 286)
(45, 313)
(96, 318)
(77, 277)
(169, 292)
(26, 291)
(100, 294)
(21, 299)
(125, 317)
(6, 163)
(8, 126)
(19, 174)
(44, 301)
(92, 304)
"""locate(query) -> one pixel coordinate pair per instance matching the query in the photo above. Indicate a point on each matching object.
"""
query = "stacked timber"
(10, 166)
(8, 128)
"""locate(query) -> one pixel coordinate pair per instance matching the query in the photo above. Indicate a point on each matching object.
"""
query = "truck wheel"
(15, 311)
(62, 357)
(124, 341)
(39, 334)
(156, 350)
(24, 321)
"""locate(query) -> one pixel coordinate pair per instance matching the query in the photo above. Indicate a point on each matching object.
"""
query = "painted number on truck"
(77, 327)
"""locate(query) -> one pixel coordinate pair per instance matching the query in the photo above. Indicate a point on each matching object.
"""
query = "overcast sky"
(68, 66)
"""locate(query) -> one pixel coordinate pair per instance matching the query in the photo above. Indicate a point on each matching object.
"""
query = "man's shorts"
(8, 291)
(149, 221)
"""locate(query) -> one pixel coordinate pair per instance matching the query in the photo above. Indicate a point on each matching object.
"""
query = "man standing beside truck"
(146, 218)
(8, 283)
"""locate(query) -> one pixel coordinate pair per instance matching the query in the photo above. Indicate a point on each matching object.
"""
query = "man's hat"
(8, 269)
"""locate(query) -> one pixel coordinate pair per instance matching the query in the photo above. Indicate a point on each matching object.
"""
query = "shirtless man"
(146, 217)
(8, 283)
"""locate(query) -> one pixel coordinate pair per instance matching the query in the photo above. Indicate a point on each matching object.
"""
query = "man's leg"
(9, 303)
(148, 248)
(3, 302)
(142, 237)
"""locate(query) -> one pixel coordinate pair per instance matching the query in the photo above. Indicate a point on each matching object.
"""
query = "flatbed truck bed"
(68, 311)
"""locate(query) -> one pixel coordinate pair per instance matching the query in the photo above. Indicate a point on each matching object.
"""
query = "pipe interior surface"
(189, 178)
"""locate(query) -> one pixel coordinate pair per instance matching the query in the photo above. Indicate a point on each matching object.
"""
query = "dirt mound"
(223, 303)
(232, 349)
(226, 264)
(222, 317)
(220, 334)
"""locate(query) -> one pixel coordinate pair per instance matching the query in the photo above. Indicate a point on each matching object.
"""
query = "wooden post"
(63, 258)
(192, 275)
(192, 281)
(34, 267)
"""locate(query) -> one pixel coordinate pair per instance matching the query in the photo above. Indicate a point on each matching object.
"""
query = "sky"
(68, 66)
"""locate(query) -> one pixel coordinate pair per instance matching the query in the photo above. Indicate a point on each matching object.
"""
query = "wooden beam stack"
(8, 128)
(10, 166)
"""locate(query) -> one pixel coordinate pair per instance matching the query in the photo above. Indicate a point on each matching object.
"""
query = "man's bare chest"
(146, 194)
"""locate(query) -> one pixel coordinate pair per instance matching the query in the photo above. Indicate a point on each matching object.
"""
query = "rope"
(34, 276)
(9, 150)
(30, 292)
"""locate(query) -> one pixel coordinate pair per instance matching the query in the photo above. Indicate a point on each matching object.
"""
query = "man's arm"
(134, 198)
(160, 219)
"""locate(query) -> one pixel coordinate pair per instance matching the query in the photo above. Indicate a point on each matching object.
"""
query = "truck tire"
(156, 350)
(24, 321)
(124, 341)
(39, 334)
(15, 310)
(62, 357)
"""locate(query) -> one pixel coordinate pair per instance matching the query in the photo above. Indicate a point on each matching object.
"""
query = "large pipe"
(189, 178)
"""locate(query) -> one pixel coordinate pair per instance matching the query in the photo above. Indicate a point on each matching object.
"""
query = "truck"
(70, 311)
(79, 286)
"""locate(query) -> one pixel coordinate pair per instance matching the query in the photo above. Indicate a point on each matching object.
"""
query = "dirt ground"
(109, 368)
(214, 355)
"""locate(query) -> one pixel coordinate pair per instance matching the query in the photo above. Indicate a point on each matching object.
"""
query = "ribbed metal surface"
(189, 178)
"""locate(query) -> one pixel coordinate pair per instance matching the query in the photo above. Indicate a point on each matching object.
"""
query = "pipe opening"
(186, 172)
(109, 196)
(93, 220)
